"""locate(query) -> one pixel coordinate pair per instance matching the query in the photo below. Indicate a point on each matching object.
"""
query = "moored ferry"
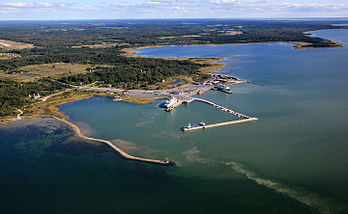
(223, 87)
(171, 102)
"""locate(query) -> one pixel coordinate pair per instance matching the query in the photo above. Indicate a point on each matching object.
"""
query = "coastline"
(214, 66)
(49, 108)
(52, 109)
(51, 105)
(206, 60)
(128, 53)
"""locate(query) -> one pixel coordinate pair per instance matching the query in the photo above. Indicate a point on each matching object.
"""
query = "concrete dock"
(240, 115)
(221, 107)
(233, 122)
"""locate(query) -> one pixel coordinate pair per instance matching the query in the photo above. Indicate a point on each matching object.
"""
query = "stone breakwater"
(115, 148)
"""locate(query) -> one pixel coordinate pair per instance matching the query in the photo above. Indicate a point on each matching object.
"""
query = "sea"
(294, 159)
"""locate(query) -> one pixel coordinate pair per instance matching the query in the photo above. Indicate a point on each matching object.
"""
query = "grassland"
(11, 45)
(15, 77)
(165, 85)
(232, 32)
(211, 61)
(4, 56)
(139, 100)
(54, 70)
(102, 45)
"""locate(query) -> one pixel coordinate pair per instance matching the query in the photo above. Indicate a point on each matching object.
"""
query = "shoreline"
(213, 68)
(44, 108)
(297, 45)
(202, 60)
(51, 108)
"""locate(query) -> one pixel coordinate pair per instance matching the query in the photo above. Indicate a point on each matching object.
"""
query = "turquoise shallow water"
(293, 160)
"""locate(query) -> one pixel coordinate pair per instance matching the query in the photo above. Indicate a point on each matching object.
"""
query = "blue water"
(341, 25)
(301, 137)
(293, 160)
(177, 82)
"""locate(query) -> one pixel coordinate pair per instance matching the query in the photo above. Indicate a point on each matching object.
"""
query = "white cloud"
(161, 1)
(18, 6)
(169, 1)
(22, 5)
(183, 8)
(223, 2)
(273, 5)
(313, 5)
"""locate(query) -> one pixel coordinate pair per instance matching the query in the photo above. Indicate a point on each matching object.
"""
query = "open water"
(293, 160)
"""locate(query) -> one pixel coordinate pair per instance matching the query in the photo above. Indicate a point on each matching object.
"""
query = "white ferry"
(170, 102)
(223, 88)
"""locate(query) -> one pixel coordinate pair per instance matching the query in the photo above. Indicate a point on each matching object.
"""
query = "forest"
(101, 42)
(15, 95)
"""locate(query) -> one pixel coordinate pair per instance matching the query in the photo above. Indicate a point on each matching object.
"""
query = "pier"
(240, 115)
(115, 148)
(221, 124)
(221, 108)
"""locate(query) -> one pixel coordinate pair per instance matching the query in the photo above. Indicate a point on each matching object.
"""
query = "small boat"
(202, 123)
(188, 126)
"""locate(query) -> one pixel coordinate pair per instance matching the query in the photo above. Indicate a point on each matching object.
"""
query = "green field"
(54, 70)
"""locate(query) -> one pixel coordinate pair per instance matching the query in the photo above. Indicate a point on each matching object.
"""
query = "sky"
(157, 9)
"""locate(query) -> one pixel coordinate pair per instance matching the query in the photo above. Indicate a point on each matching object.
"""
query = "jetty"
(221, 107)
(115, 148)
(233, 122)
(238, 114)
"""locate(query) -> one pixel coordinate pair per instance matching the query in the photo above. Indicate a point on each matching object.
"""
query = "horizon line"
(182, 18)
